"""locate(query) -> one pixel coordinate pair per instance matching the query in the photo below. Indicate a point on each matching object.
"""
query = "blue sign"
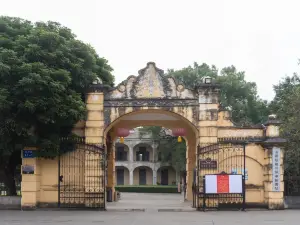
(240, 171)
(28, 154)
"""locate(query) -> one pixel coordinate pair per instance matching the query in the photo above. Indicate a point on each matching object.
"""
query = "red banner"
(222, 184)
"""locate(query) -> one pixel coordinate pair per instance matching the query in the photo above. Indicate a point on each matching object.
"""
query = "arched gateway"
(214, 146)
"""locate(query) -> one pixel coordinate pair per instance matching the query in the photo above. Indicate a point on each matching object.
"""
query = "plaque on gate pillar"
(28, 169)
(208, 164)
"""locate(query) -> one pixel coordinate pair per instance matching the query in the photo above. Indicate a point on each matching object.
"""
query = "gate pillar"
(208, 112)
(30, 186)
(274, 171)
(94, 134)
(111, 169)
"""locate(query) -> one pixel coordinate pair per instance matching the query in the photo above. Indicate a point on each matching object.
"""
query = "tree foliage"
(286, 105)
(44, 74)
(169, 150)
(237, 94)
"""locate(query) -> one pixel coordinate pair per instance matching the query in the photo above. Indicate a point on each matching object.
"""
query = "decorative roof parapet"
(98, 88)
(272, 120)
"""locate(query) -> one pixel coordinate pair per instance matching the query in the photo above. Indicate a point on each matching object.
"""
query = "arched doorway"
(166, 175)
(142, 175)
(122, 152)
(157, 117)
(121, 175)
(143, 152)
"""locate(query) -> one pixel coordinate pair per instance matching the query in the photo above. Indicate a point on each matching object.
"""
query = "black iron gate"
(220, 176)
(81, 175)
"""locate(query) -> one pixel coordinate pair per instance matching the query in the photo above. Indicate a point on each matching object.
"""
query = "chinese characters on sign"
(208, 164)
(28, 154)
(222, 184)
(276, 168)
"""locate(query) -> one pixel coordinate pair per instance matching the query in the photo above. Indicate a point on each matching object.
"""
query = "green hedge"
(147, 188)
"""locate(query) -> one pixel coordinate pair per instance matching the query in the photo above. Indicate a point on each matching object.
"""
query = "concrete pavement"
(149, 201)
(149, 218)
(150, 211)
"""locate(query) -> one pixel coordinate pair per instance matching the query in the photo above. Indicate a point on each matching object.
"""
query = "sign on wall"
(28, 169)
(208, 164)
(240, 171)
(276, 168)
(28, 154)
(223, 183)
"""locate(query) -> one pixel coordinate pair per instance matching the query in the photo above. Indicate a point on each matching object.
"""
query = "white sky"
(261, 37)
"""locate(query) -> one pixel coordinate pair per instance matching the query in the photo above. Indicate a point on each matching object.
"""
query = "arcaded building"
(138, 162)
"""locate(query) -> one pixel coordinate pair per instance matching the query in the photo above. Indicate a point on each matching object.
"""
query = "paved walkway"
(150, 201)
(286, 217)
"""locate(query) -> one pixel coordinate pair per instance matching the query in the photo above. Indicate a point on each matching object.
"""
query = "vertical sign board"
(276, 168)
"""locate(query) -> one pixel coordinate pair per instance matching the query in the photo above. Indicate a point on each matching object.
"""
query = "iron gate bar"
(81, 175)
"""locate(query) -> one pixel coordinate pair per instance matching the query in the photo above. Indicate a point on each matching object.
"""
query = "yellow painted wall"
(255, 161)
(49, 181)
(76, 176)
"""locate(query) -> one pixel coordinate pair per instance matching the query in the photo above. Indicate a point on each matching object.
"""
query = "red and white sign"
(223, 183)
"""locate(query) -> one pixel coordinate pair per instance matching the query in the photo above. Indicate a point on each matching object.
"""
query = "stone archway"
(156, 117)
(154, 99)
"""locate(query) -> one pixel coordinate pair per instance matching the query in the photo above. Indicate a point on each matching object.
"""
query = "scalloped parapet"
(151, 83)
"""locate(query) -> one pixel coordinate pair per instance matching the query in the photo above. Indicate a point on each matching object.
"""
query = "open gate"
(220, 176)
(81, 175)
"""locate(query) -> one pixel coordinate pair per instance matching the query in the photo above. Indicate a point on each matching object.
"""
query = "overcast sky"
(261, 37)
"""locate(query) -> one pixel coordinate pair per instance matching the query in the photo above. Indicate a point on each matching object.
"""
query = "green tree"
(286, 105)
(44, 74)
(236, 93)
(169, 150)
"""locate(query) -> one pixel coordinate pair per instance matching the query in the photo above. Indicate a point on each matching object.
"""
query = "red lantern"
(122, 132)
(179, 132)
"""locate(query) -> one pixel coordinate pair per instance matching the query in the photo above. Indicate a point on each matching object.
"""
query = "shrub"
(147, 188)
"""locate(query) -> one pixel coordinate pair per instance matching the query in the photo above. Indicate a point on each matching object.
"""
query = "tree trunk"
(9, 172)
(10, 184)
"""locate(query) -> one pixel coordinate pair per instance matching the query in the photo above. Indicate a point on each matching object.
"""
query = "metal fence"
(4, 191)
(292, 185)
